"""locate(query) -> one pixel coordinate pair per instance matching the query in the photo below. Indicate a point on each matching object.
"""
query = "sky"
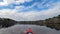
(29, 10)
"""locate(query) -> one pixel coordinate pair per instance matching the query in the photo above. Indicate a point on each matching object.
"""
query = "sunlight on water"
(20, 29)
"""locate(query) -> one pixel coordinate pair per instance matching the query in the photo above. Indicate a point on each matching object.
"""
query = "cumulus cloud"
(6, 2)
(3, 3)
(30, 15)
(22, 1)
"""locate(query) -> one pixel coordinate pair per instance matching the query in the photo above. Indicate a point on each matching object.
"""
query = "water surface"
(20, 29)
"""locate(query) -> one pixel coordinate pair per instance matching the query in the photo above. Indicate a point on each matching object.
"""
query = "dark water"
(20, 29)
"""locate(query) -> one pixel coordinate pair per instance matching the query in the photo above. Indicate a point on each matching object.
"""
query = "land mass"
(51, 22)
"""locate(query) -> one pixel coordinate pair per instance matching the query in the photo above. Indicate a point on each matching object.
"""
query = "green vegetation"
(5, 22)
(51, 22)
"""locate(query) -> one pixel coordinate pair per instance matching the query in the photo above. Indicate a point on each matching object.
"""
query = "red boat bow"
(29, 31)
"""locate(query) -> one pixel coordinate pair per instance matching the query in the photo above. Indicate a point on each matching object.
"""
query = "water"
(20, 29)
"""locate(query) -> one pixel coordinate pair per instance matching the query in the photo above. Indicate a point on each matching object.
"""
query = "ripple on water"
(20, 29)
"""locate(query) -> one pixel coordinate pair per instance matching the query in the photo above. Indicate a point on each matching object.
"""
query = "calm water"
(20, 29)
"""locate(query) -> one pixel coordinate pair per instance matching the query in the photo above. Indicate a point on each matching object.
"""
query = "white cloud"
(3, 3)
(22, 1)
(6, 2)
(30, 15)
(21, 8)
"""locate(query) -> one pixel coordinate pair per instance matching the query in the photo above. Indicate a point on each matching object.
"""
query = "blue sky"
(29, 9)
(27, 4)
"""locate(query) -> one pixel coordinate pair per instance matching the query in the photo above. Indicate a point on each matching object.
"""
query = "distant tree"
(5, 22)
(58, 16)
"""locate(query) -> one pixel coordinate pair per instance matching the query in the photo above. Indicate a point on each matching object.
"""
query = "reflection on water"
(20, 29)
